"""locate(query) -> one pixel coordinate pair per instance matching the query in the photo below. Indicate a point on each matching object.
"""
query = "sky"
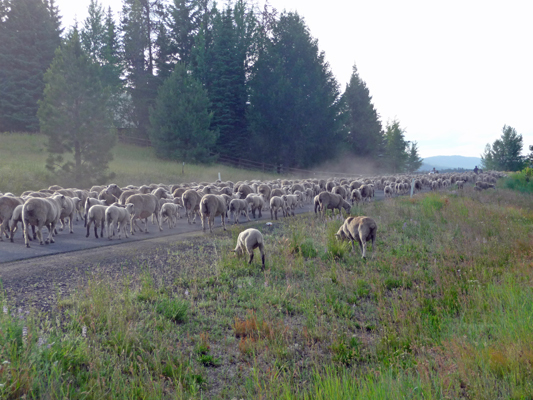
(453, 72)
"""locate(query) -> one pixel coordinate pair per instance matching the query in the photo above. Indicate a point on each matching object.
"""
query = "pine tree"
(29, 35)
(414, 161)
(295, 110)
(364, 134)
(74, 116)
(180, 120)
(139, 27)
(505, 154)
(396, 155)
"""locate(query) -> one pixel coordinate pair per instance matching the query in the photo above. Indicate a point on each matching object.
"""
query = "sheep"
(244, 190)
(107, 197)
(248, 241)
(89, 202)
(114, 190)
(212, 206)
(332, 201)
(71, 204)
(96, 214)
(256, 202)
(7, 206)
(170, 212)
(145, 205)
(356, 196)
(265, 191)
(367, 192)
(277, 203)
(41, 212)
(277, 192)
(339, 190)
(361, 229)
(238, 206)
(316, 201)
(120, 216)
(483, 185)
(460, 184)
(16, 217)
(130, 192)
(388, 191)
(291, 201)
(191, 201)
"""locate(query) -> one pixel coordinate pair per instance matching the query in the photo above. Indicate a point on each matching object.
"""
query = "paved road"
(65, 242)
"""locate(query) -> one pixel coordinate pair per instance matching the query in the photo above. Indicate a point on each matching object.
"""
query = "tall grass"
(24, 158)
(443, 310)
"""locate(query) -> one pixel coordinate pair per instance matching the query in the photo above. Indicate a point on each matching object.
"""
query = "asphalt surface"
(77, 241)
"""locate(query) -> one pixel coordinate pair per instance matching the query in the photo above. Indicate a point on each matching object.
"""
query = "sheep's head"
(340, 235)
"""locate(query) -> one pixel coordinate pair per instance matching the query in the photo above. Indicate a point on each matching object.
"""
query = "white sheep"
(170, 213)
(212, 206)
(96, 214)
(40, 212)
(236, 207)
(248, 241)
(119, 216)
(362, 229)
(277, 203)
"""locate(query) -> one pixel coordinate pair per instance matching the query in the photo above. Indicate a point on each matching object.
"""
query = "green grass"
(24, 158)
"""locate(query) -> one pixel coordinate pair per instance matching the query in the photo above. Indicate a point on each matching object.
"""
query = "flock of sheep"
(116, 208)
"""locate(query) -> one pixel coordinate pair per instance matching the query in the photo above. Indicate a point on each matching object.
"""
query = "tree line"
(195, 78)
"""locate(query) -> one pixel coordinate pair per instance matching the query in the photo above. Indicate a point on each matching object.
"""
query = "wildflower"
(84, 331)
(186, 293)
(24, 333)
(40, 342)
(5, 309)
(6, 362)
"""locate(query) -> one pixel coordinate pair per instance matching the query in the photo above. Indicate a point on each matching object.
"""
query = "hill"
(450, 162)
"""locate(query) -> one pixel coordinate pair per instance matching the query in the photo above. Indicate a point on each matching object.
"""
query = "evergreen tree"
(505, 154)
(414, 161)
(74, 116)
(180, 120)
(29, 35)
(139, 27)
(364, 134)
(295, 110)
(396, 156)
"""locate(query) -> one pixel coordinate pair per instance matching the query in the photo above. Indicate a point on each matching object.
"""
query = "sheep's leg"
(26, 232)
(260, 213)
(223, 222)
(251, 256)
(88, 228)
(95, 230)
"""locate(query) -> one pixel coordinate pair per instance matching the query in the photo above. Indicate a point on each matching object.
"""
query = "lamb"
(41, 212)
(89, 202)
(212, 206)
(96, 214)
(170, 212)
(7, 206)
(362, 229)
(332, 201)
(277, 203)
(238, 206)
(191, 201)
(460, 184)
(256, 202)
(248, 241)
(119, 216)
(144, 206)
(483, 185)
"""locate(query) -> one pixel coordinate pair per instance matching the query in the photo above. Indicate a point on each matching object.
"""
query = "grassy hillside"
(24, 157)
(443, 311)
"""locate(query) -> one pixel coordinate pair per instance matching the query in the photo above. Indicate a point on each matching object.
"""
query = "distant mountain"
(450, 162)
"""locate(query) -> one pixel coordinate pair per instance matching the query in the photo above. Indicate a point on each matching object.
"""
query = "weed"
(174, 309)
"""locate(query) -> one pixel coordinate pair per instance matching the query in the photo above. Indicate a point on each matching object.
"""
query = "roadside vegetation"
(443, 310)
(24, 158)
(521, 181)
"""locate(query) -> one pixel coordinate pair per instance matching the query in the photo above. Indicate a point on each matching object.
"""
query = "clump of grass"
(174, 309)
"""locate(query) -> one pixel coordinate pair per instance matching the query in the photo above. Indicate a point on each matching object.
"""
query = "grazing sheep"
(332, 201)
(7, 206)
(483, 185)
(170, 213)
(276, 203)
(362, 229)
(238, 206)
(119, 217)
(40, 212)
(145, 205)
(191, 201)
(212, 206)
(248, 241)
(96, 215)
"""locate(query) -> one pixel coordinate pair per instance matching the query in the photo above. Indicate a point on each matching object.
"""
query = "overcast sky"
(453, 73)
